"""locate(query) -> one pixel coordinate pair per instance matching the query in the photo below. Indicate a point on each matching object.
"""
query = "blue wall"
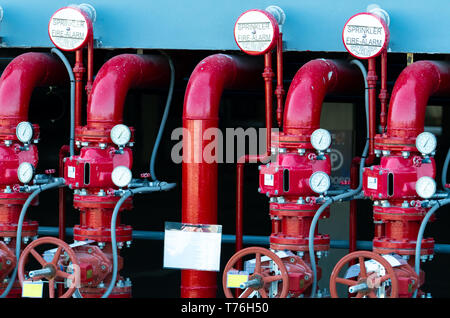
(314, 25)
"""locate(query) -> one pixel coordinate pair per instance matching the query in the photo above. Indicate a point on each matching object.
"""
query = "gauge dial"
(121, 176)
(25, 172)
(319, 182)
(321, 139)
(426, 187)
(426, 143)
(24, 131)
(120, 134)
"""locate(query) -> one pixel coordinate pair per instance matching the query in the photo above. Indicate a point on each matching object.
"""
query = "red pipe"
(18, 80)
(78, 71)
(383, 91)
(415, 84)
(311, 83)
(199, 190)
(372, 86)
(279, 91)
(90, 70)
(113, 81)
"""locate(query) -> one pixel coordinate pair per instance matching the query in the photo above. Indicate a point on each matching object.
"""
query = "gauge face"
(426, 187)
(321, 139)
(121, 176)
(25, 172)
(319, 182)
(24, 131)
(120, 134)
(426, 143)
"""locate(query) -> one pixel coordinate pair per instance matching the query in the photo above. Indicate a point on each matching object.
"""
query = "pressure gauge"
(24, 131)
(121, 176)
(25, 172)
(120, 134)
(426, 187)
(426, 143)
(319, 182)
(321, 139)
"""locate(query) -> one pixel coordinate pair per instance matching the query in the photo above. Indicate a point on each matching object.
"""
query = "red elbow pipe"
(209, 79)
(20, 77)
(410, 94)
(113, 81)
(308, 89)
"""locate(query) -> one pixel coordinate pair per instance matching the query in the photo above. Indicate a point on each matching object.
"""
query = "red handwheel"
(52, 271)
(262, 276)
(365, 283)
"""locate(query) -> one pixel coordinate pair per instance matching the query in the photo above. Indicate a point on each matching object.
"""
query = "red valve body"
(287, 178)
(89, 173)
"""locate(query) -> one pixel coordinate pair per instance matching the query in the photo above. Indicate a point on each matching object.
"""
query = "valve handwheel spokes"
(52, 271)
(366, 283)
(262, 276)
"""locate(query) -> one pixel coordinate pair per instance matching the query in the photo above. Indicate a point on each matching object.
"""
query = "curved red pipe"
(311, 83)
(113, 81)
(209, 79)
(20, 77)
(415, 84)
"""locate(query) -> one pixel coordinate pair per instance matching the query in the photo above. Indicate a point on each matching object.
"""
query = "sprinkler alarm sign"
(256, 32)
(69, 29)
(365, 35)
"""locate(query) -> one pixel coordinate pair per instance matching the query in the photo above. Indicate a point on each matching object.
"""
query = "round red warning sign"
(256, 32)
(69, 28)
(365, 35)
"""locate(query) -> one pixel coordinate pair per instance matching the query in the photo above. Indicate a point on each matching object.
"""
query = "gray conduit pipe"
(438, 204)
(164, 118)
(72, 98)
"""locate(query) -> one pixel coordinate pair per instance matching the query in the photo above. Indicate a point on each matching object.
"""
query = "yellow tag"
(32, 289)
(89, 273)
(235, 280)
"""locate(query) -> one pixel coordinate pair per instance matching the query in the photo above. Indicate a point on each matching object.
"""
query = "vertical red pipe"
(268, 90)
(199, 186)
(383, 91)
(372, 86)
(279, 91)
(90, 68)
(78, 71)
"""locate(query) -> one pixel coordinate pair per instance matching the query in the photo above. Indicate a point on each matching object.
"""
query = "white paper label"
(192, 247)
(364, 36)
(372, 183)
(254, 32)
(68, 29)
(71, 172)
(268, 179)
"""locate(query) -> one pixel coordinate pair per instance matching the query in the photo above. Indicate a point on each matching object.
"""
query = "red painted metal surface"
(209, 79)
(90, 172)
(410, 95)
(22, 75)
(279, 91)
(18, 81)
(113, 81)
(311, 83)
